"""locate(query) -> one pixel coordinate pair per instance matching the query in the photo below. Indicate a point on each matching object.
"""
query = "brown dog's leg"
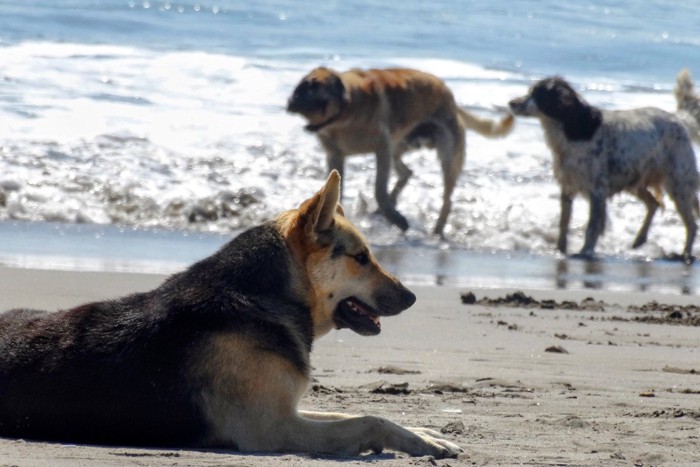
(596, 224)
(402, 171)
(450, 145)
(450, 180)
(566, 201)
(652, 205)
(381, 189)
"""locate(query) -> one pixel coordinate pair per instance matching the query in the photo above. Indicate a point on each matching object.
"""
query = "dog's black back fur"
(556, 99)
(111, 371)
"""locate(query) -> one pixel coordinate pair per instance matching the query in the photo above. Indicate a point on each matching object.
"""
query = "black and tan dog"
(218, 355)
(389, 112)
(599, 153)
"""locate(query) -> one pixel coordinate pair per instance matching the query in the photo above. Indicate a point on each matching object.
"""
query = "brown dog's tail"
(485, 126)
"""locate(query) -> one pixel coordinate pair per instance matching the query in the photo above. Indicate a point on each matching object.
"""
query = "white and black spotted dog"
(599, 153)
(688, 104)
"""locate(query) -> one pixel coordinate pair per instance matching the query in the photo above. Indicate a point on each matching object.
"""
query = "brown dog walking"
(389, 112)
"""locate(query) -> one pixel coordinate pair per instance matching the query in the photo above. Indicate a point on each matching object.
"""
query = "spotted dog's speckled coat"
(602, 152)
(688, 104)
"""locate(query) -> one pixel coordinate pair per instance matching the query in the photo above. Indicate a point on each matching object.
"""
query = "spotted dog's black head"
(555, 98)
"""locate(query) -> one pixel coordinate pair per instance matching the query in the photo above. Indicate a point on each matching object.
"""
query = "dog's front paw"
(435, 444)
(562, 245)
(584, 255)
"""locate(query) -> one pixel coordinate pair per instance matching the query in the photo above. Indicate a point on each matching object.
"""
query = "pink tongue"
(362, 311)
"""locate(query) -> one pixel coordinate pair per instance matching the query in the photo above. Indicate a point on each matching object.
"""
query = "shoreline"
(53, 289)
(112, 249)
(621, 389)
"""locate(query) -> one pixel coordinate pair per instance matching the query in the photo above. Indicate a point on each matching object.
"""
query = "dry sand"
(549, 383)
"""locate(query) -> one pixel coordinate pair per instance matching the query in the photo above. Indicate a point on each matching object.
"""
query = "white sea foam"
(195, 140)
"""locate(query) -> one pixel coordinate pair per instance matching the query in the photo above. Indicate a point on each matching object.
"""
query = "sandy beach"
(513, 376)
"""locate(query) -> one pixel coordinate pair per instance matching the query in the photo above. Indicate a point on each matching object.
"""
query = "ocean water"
(169, 115)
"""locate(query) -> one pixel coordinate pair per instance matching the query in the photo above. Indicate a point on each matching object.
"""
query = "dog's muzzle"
(357, 315)
(292, 105)
(519, 106)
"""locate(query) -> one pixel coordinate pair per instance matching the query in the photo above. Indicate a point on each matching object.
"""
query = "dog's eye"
(361, 258)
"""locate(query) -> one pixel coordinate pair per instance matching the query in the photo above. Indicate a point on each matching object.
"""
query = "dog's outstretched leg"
(352, 436)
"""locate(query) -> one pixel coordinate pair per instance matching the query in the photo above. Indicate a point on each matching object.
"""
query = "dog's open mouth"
(360, 317)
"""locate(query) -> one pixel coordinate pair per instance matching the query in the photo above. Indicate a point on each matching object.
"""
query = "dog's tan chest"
(244, 386)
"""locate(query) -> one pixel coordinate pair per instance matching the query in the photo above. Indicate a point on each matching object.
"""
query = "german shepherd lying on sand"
(389, 112)
(218, 355)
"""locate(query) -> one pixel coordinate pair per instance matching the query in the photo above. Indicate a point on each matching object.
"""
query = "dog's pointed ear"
(316, 213)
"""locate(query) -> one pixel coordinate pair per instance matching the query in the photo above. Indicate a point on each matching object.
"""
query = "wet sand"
(89, 247)
(514, 376)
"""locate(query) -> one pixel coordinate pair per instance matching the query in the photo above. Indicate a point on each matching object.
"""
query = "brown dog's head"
(320, 97)
(342, 281)
(554, 98)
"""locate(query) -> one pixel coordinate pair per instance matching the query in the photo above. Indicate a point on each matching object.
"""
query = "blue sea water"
(169, 115)
(630, 39)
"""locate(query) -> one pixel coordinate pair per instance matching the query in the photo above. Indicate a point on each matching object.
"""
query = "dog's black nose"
(408, 297)
(394, 300)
